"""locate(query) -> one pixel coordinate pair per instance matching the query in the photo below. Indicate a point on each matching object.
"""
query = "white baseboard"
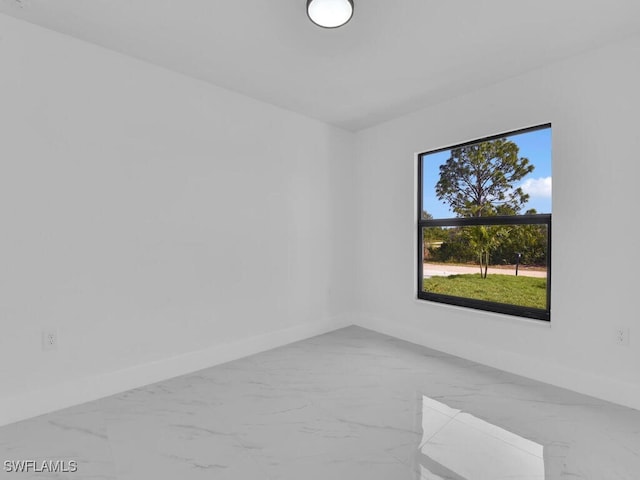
(603, 388)
(76, 392)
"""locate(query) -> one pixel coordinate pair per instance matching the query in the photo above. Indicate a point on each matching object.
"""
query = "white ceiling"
(394, 57)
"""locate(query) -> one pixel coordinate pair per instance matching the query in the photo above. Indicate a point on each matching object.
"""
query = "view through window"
(484, 218)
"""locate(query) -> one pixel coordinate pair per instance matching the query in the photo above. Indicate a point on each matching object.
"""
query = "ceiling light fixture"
(330, 13)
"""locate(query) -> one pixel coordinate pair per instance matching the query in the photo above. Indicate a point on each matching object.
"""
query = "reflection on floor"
(351, 404)
(489, 451)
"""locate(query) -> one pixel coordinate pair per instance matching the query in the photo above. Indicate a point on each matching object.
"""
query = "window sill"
(486, 313)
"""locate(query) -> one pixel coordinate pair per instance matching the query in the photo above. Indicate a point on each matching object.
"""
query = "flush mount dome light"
(330, 13)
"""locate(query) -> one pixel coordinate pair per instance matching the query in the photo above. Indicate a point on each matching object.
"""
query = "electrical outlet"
(50, 339)
(622, 336)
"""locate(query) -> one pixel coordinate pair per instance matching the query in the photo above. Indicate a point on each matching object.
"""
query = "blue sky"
(534, 145)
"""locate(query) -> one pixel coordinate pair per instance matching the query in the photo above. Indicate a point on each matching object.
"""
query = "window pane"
(509, 175)
(504, 264)
(487, 206)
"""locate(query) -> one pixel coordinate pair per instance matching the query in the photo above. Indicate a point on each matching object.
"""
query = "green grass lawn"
(523, 291)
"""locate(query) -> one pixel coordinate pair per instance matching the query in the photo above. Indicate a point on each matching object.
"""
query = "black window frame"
(536, 219)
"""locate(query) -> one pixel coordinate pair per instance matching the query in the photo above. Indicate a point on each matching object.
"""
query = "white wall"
(146, 215)
(162, 224)
(593, 103)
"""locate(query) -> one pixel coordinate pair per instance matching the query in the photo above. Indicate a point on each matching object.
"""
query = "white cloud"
(537, 187)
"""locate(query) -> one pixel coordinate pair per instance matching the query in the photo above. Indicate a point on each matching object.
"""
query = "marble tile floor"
(351, 404)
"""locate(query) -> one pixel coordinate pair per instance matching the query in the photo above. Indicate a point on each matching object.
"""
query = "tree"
(430, 235)
(530, 241)
(483, 239)
(478, 180)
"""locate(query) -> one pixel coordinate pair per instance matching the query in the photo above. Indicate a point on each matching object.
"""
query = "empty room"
(319, 239)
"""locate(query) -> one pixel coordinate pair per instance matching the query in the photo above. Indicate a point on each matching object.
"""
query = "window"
(484, 224)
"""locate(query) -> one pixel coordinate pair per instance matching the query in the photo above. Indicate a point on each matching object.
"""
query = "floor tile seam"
(330, 416)
(113, 458)
(236, 438)
(407, 461)
(424, 442)
(460, 412)
(483, 432)
(490, 434)
(372, 451)
(109, 447)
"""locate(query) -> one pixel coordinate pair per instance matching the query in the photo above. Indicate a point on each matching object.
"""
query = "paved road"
(439, 270)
